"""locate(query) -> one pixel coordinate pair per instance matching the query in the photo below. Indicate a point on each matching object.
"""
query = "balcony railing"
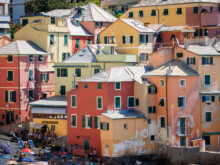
(4, 18)
(184, 131)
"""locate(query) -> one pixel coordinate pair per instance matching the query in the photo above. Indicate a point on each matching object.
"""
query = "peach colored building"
(5, 40)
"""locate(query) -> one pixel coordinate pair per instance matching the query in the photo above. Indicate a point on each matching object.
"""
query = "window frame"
(80, 72)
(12, 75)
(184, 82)
(66, 40)
(72, 120)
(129, 97)
(97, 102)
(208, 121)
(162, 98)
(116, 85)
(161, 122)
(184, 101)
(115, 102)
(162, 80)
(209, 80)
(11, 60)
(72, 101)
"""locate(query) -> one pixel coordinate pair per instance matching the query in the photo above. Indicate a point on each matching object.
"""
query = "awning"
(44, 110)
(4, 25)
(36, 125)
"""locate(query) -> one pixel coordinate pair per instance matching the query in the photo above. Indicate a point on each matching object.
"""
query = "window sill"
(87, 128)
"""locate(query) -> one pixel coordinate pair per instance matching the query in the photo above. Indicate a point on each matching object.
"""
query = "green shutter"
(10, 75)
(68, 55)
(203, 60)
(207, 80)
(65, 73)
(14, 96)
(208, 116)
(106, 39)
(149, 90)
(179, 102)
(195, 10)
(131, 39)
(63, 56)
(90, 122)
(96, 122)
(187, 60)
(196, 33)
(73, 101)
(146, 39)
(203, 98)
(65, 39)
(117, 103)
(211, 60)
(58, 72)
(99, 103)
(131, 102)
(48, 77)
(162, 120)
(83, 121)
(123, 38)
(42, 77)
(6, 96)
(31, 75)
(101, 125)
(107, 126)
(194, 60)
(73, 120)
(213, 98)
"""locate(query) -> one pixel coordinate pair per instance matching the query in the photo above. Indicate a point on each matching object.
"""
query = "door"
(9, 117)
(63, 90)
(183, 141)
(86, 144)
(182, 126)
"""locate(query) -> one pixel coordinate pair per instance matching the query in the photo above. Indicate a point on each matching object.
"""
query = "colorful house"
(131, 36)
(4, 18)
(5, 40)
(201, 15)
(25, 78)
(87, 62)
(93, 106)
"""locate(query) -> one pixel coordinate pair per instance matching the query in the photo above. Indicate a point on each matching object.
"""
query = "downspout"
(167, 104)
(19, 83)
(158, 17)
(200, 16)
(58, 34)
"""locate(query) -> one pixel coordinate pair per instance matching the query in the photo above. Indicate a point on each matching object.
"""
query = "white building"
(4, 18)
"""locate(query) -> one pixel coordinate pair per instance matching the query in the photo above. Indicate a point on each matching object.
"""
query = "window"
(77, 43)
(196, 33)
(31, 76)
(149, 121)
(88, 41)
(200, 32)
(85, 85)
(136, 102)
(65, 39)
(78, 72)
(77, 22)
(195, 10)
(99, 85)
(127, 39)
(10, 58)
(208, 116)
(130, 102)
(109, 40)
(53, 20)
(162, 83)
(207, 60)
(125, 126)
(207, 140)
(30, 58)
(96, 70)
(51, 56)
(44, 77)
(179, 11)
(212, 98)
(53, 127)
(162, 102)
(182, 83)
(24, 22)
(191, 60)
(52, 41)
(40, 58)
(207, 80)
(62, 72)
(65, 56)
(165, 12)
(31, 95)
(117, 102)
(74, 120)
(79, 11)
(162, 122)
(97, 122)
(152, 90)
(104, 126)
(3, 116)
(153, 12)
(205, 32)
(10, 96)
(98, 24)
(130, 15)
(63, 90)
(141, 13)
(151, 109)
(182, 141)
(117, 85)
(143, 38)
(152, 138)
(179, 55)
(181, 102)
(99, 102)
(206, 99)
(73, 101)
(10, 75)
(87, 121)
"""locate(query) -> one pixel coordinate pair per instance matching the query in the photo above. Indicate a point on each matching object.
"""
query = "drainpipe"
(200, 15)
(58, 46)
(19, 83)
(167, 104)
(158, 17)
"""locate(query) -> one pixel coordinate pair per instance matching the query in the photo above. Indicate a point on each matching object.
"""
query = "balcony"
(4, 1)
(4, 18)
(184, 131)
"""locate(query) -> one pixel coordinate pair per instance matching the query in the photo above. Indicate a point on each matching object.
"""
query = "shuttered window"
(165, 12)
(40, 58)
(97, 122)
(99, 102)
(30, 58)
(45, 77)
(88, 41)
(99, 85)
(87, 121)
(65, 39)
(74, 121)
(73, 101)
(52, 41)
(136, 102)
(162, 122)
(10, 96)
(62, 72)
(151, 109)
(208, 116)
(207, 60)
(181, 102)
(63, 90)
(31, 95)
(195, 10)
(207, 80)
(10, 75)
(96, 70)
(212, 98)
(141, 13)
(179, 11)
(31, 75)
(77, 43)
(53, 20)
(153, 12)
(78, 72)
(130, 15)
(117, 102)
(117, 85)
(10, 58)
(162, 102)
(130, 102)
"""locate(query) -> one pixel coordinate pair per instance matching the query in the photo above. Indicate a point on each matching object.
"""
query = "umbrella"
(5, 156)
(27, 150)
(27, 160)
(12, 162)
(6, 148)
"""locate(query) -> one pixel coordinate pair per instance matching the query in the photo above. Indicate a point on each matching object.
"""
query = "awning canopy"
(44, 110)
(36, 125)
(4, 25)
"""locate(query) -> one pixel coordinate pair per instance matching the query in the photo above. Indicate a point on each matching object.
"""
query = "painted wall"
(4, 40)
(83, 41)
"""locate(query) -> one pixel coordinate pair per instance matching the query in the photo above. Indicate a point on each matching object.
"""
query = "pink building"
(25, 78)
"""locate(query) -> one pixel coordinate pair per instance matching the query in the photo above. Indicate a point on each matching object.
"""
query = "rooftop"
(217, 46)
(202, 50)
(92, 12)
(118, 74)
(77, 30)
(123, 114)
(156, 27)
(173, 68)
(58, 13)
(177, 28)
(172, 2)
(54, 101)
(21, 47)
(138, 25)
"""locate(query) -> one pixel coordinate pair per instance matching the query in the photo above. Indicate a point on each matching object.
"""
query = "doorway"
(9, 117)
(86, 144)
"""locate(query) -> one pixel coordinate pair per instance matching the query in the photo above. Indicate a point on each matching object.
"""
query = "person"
(20, 157)
(39, 155)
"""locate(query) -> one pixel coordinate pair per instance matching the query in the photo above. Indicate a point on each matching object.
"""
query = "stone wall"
(207, 158)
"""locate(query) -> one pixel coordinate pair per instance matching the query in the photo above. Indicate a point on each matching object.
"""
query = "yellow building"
(131, 37)
(50, 112)
(87, 62)
(125, 133)
(48, 32)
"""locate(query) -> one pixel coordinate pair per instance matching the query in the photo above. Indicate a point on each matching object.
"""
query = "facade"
(87, 62)
(21, 62)
(131, 36)
(201, 15)
(4, 18)
(4, 40)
